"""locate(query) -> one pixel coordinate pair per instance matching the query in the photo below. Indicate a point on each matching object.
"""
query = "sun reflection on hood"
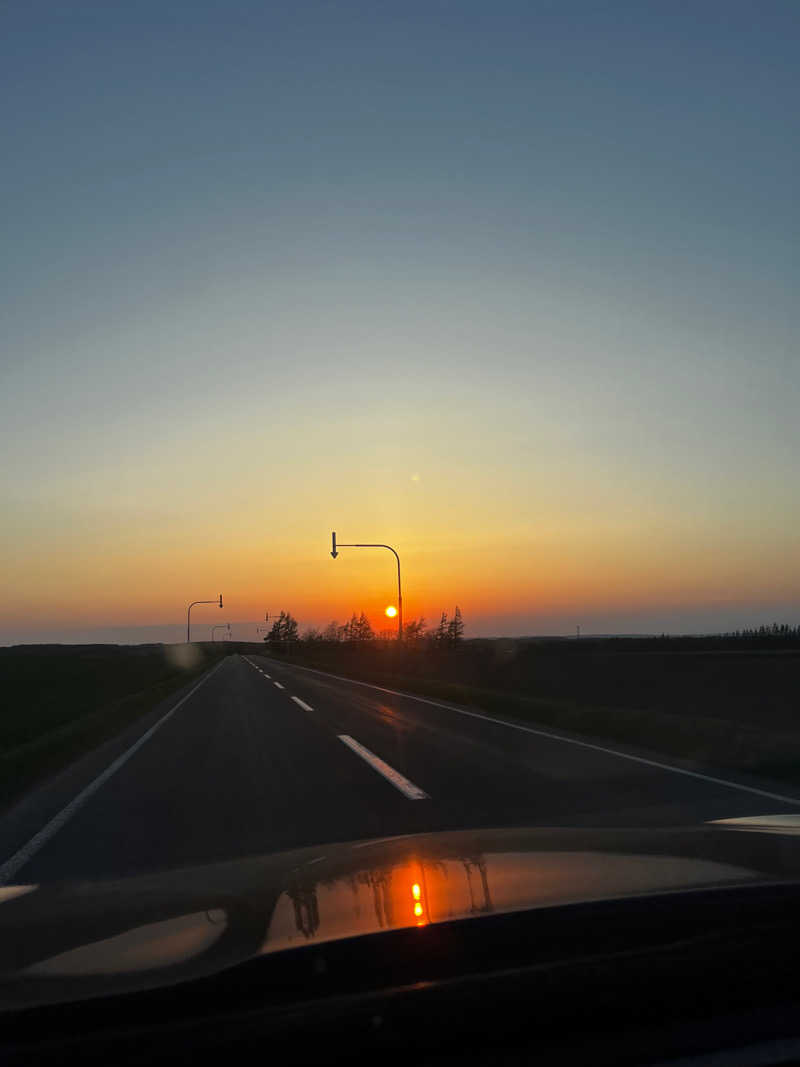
(417, 891)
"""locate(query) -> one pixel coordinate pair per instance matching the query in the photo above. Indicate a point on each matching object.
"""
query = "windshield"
(399, 422)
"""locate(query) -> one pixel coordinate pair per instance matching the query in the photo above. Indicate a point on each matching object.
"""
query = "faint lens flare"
(8, 892)
(415, 477)
(185, 657)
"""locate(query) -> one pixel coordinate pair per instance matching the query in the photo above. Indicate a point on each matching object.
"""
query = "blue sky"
(541, 255)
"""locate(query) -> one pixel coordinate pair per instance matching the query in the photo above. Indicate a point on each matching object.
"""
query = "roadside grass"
(724, 743)
(62, 701)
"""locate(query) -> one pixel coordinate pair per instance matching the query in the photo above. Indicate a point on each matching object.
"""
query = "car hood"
(65, 942)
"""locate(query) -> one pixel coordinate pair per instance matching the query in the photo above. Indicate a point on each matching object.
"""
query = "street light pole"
(335, 553)
(189, 615)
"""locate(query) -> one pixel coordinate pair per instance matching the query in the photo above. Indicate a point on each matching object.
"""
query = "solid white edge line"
(302, 703)
(278, 685)
(50, 829)
(557, 737)
(399, 781)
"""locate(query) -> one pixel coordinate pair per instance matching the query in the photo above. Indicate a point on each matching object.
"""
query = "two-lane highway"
(265, 756)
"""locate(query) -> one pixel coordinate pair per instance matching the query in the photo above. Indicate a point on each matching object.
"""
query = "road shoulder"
(37, 807)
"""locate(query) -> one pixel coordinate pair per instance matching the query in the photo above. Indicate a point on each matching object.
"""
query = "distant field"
(725, 703)
(61, 700)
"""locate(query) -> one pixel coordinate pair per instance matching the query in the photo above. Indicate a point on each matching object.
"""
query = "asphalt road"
(253, 762)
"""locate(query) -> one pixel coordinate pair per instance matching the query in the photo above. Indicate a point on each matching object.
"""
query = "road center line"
(278, 685)
(558, 737)
(413, 792)
(50, 829)
(302, 703)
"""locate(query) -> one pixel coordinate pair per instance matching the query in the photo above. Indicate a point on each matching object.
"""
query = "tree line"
(772, 630)
(449, 633)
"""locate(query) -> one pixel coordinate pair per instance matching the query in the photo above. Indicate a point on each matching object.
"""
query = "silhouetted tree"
(441, 631)
(414, 631)
(284, 630)
(360, 628)
(455, 629)
(331, 632)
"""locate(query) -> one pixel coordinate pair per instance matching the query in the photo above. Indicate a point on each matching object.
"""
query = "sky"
(511, 287)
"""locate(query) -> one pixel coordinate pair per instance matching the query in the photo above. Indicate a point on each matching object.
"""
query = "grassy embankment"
(732, 704)
(60, 701)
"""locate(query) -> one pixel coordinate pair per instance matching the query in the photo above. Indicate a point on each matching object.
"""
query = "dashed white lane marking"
(50, 829)
(399, 781)
(726, 782)
(765, 824)
(260, 671)
(302, 703)
(278, 685)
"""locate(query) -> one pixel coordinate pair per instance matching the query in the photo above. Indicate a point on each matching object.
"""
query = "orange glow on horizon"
(130, 576)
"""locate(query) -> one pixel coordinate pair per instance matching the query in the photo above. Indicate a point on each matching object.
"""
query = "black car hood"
(67, 942)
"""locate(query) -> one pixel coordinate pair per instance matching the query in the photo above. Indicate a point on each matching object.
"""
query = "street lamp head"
(391, 611)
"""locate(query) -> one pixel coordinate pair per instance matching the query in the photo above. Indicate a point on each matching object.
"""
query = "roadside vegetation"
(732, 700)
(62, 700)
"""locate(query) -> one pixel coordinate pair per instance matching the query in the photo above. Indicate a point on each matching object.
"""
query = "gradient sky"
(512, 286)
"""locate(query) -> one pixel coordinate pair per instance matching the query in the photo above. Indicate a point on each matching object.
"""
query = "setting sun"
(391, 611)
